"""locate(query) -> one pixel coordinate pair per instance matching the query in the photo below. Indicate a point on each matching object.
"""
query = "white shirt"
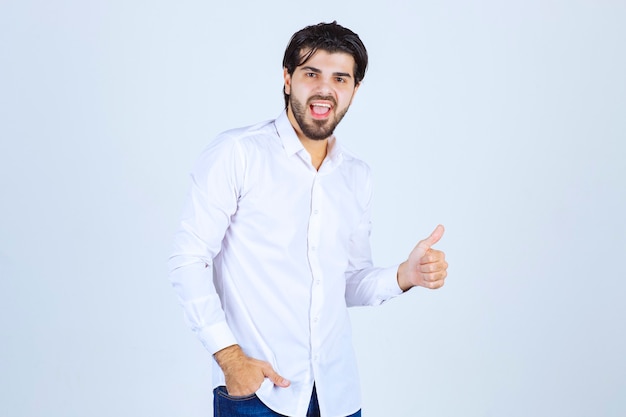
(269, 255)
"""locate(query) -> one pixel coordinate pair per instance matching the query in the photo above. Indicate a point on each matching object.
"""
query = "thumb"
(434, 237)
(273, 376)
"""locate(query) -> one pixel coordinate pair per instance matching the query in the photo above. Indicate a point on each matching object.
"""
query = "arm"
(212, 200)
(368, 285)
(210, 203)
(425, 267)
(365, 283)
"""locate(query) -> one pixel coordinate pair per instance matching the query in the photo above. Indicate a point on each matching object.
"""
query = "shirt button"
(315, 211)
(317, 282)
(315, 319)
(313, 248)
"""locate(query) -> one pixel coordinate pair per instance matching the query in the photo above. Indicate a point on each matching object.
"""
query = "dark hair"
(329, 37)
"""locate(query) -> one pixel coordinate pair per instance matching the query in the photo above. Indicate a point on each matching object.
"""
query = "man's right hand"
(244, 375)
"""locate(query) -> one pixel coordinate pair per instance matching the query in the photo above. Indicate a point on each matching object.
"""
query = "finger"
(433, 256)
(434, 285)
(433, 267)
(435, 276)
(434, 237)
(274, 377)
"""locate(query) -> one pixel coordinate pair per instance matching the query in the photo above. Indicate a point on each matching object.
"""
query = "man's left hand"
(425, 267)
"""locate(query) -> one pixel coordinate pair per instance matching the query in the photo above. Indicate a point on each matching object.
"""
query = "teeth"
(322, 105)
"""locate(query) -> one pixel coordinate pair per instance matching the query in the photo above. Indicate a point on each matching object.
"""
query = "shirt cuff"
(216, 337)
(388, 284)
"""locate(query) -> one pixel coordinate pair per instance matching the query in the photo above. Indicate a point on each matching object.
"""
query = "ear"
(287, 78)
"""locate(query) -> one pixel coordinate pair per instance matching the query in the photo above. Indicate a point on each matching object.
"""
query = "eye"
(310, 74)
(340, 80)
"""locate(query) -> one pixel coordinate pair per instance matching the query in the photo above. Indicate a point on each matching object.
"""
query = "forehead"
(330, 61)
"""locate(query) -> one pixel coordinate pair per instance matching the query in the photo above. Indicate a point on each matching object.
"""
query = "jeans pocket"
(221, 391)
(225, 405)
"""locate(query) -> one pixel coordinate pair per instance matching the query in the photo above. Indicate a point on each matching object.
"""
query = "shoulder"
(231, 148)
(248, 135)
(354, 163)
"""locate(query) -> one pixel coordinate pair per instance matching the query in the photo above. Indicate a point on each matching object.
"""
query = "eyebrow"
(318, 71)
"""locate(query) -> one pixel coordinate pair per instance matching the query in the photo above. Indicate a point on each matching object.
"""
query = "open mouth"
(320, 110)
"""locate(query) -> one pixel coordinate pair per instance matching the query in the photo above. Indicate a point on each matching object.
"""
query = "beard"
(315, 129)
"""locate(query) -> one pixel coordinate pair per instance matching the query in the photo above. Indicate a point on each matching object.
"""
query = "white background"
(503, 120)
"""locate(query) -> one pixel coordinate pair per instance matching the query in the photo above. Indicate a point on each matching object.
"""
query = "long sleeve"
(211, 202)
(366, 284)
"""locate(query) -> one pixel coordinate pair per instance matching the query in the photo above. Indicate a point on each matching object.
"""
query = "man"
(274, 245)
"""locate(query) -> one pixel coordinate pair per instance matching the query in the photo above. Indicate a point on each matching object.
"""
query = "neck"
(316, 148)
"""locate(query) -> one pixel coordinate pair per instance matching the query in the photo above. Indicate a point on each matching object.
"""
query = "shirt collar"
(292, 144)
(334, 153)
(287, 134)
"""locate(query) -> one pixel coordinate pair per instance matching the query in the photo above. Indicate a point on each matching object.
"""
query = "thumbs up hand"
(425, 267)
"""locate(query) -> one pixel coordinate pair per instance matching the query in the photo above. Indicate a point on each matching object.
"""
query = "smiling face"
(320, 93)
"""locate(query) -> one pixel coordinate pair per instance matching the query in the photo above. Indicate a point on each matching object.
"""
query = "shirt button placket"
(314, 261)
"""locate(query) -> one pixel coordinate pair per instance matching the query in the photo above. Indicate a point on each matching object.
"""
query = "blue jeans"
(225, 405)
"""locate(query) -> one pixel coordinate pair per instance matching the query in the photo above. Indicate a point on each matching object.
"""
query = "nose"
(324, 87)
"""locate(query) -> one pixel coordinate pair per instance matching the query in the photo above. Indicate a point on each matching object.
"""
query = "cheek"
(345, 98)
(294, 90)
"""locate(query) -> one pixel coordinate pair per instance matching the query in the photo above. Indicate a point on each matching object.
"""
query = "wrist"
(229, 355)
(403, 277)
